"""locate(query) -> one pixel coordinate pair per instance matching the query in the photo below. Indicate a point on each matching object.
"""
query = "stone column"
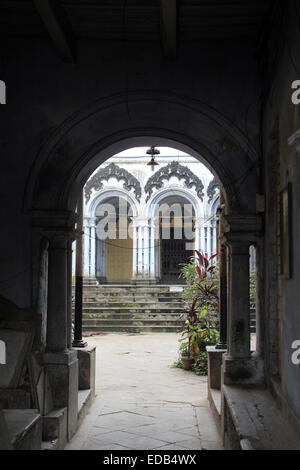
(146, 270)
(152, 251)
(208, 234)
(86, 250)
(239, 365)
(57, 293)
(197, 245)
(60, 362)
(93, 249)
(239, 319)
(134, 253)
(202, 240)
(222, 298)
(69, 293)
(140, 252)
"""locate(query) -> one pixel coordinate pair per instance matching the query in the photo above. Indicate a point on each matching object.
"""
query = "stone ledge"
(25, 428)
(253, 421)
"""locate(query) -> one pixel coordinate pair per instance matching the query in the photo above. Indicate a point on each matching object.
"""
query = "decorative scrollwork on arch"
(212, 188)
(113, 171)
(181, 172)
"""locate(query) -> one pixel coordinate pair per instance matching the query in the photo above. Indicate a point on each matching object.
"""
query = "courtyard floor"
(143, 403)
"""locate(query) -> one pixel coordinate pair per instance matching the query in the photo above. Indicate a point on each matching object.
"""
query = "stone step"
(25, 428)
(132, 310)
(130, 300)
(131, 329)
(55, 429)
(126, 314)
(133, 289)
(142, 306)
(132, 321)
(132, 295)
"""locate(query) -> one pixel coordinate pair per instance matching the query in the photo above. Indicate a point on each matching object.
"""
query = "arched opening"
(53, 197)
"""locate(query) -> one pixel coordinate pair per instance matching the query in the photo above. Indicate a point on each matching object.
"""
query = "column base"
(79, 344)
(62, 369)
(242, 371)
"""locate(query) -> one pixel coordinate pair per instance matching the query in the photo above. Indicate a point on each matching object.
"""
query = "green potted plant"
(189, 339)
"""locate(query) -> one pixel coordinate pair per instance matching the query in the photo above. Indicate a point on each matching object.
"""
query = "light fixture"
(153, 151)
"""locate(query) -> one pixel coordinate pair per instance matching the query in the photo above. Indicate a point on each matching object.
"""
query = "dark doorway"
(173, 256)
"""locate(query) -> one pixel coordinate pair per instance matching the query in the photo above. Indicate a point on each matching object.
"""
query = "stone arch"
(174, 169)
(110, 192)
(164, 193)
(92, 135)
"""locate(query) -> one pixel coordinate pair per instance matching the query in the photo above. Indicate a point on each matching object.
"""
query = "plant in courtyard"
(200, 312)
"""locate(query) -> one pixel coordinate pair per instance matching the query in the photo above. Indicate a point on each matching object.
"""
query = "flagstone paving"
(143, 403)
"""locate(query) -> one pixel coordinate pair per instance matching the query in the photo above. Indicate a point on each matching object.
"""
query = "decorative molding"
(112, 171)
(212, 188)
(174, 169)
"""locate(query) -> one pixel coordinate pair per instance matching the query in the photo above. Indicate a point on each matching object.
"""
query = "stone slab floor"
(143, 403)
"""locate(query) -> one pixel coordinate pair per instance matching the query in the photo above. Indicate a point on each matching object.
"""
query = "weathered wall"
(282, 166)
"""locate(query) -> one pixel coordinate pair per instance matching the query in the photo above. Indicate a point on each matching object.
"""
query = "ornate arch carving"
(174, 169)
(212, 188)
(112, 171)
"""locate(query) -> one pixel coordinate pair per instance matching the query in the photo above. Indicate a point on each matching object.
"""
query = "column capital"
(250, 223)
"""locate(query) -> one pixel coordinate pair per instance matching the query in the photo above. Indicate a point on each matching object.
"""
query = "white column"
(86, 249)
(214, 250)
(140, 251)
(202, 240)
(152, 251)
(197, 236)
(93, 250)
(134, 252)
(208, 240)
(146, 252)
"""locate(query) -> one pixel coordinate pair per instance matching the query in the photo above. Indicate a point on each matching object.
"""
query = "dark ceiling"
(140, 19)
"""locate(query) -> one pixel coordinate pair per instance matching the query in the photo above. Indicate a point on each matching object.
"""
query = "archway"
(81, 143)
(109, 256)
(84, 141)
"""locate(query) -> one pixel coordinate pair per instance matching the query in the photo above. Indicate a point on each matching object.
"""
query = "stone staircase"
(132, 308)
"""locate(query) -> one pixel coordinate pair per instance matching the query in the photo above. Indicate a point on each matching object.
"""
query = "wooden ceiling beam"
(169, 29)
(59, 29)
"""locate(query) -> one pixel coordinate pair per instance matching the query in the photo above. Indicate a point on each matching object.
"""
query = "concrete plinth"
(242, 371)
(214, 357)
(62, 369)
(86, 368)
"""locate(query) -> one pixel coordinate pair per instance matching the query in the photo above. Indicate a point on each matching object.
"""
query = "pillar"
(78, 342)
(208, 235)
(140, 251)
(202, 238)
(239, 319)
(197, 245)
(69, 292)
(93, 249)
(135, 252)
(239, 365)
(60, 362)
(146, 270)
(86, 250)
(57, 293)
(222, 298)
(152, 250)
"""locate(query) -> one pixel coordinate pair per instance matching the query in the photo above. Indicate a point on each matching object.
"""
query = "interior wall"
(281, 119)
